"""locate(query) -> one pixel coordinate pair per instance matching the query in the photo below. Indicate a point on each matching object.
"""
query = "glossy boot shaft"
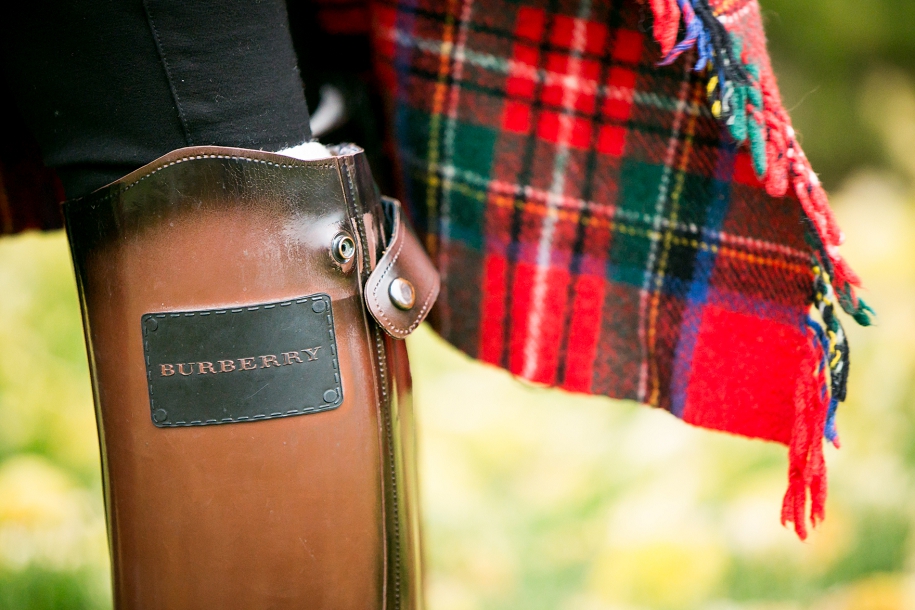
(223, 286)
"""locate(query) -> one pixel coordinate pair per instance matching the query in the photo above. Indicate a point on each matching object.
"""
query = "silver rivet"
(318, 306)
(330, 395)
(402, 294)
(343, 248)
(160, 415)
(152, 324)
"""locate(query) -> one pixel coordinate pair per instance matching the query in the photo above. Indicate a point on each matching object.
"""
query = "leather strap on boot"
(404, 284)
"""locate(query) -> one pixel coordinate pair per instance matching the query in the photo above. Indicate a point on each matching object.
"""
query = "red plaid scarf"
(619, 217)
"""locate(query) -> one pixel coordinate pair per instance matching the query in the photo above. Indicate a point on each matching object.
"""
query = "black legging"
(106, 86)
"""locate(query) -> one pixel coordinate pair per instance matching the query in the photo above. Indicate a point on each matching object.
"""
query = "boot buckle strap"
(404, 284)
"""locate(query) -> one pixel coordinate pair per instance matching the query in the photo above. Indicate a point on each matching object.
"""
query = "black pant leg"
(109, 85)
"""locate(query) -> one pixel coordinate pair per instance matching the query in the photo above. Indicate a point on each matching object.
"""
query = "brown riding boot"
(243, 314)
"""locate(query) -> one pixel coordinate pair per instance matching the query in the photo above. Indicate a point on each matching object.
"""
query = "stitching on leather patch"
(261, 362)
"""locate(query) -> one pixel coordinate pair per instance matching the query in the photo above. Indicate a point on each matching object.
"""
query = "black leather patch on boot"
(219, 366)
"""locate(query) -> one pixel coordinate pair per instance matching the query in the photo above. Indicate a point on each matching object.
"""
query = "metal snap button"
(402, 294)
(343, 248)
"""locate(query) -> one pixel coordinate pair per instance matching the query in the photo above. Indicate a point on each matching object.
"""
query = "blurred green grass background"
(538, 499)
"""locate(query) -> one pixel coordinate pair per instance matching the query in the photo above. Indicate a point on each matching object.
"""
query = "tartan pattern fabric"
(595, 226)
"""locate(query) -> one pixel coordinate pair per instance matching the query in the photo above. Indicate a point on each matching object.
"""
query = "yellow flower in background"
(662, 574)
(46, 517)
(879, 592)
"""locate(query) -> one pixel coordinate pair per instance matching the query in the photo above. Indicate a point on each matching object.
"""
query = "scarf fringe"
(806, 464)
(745, 97)
(822, 385)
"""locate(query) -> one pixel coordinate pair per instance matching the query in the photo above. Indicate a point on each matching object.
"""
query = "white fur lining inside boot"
(308, 151)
